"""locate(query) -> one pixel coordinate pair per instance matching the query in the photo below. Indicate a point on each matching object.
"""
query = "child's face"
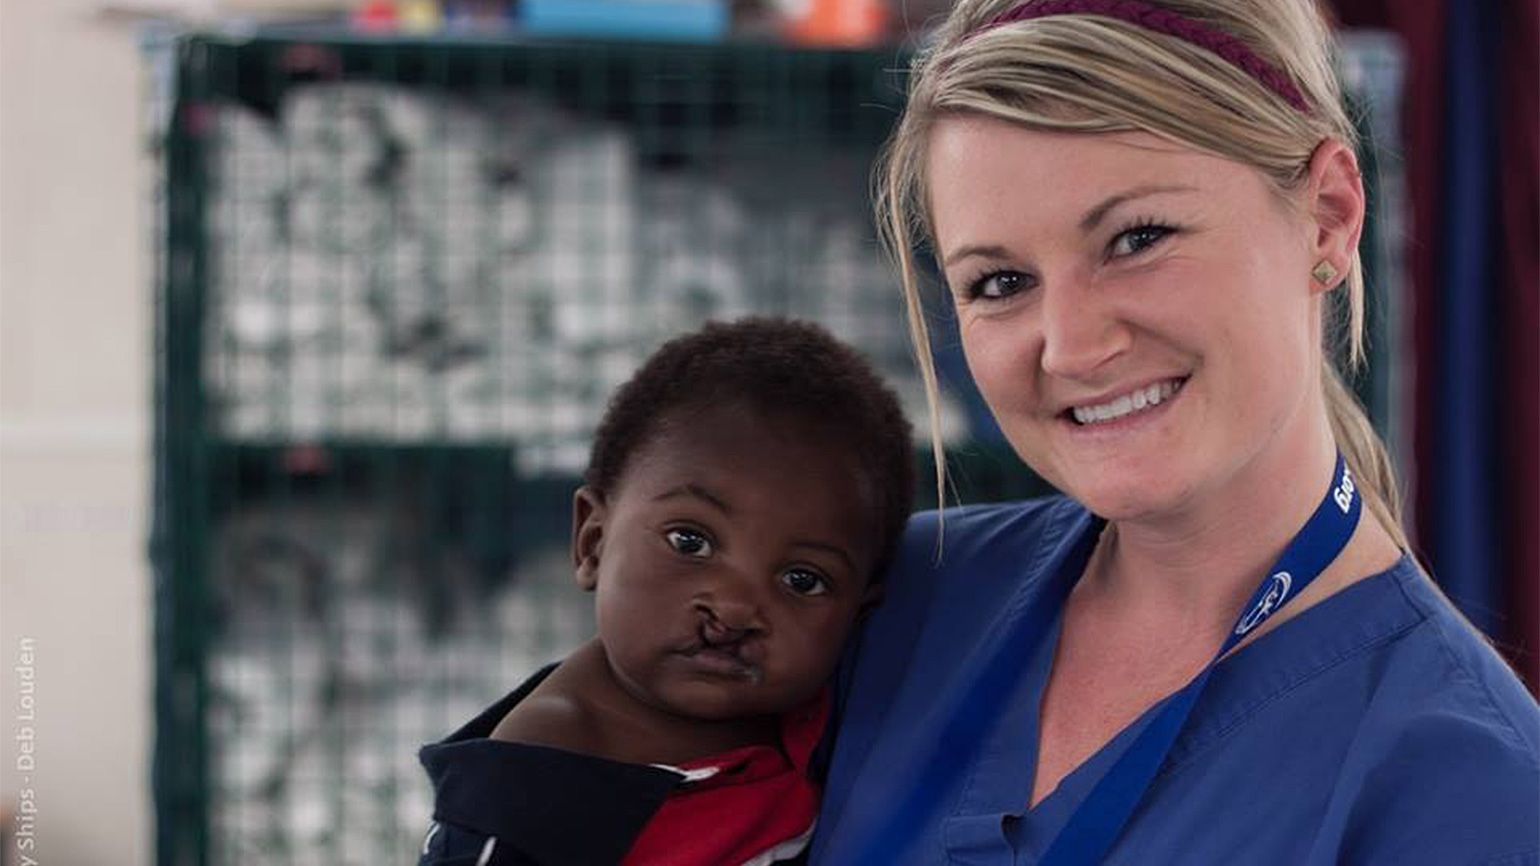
(730, 562)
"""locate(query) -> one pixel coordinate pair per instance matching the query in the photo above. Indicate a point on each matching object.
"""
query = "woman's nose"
(1080, 333)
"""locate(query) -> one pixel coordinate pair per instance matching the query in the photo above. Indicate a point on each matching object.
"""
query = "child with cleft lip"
(745, 490)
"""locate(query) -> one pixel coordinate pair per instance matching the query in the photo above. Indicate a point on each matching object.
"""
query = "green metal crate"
(400, 279)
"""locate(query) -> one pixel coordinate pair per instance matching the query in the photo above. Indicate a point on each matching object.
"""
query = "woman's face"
(1139, 317)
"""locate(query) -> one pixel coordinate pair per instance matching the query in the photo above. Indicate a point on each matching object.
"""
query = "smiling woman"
(1141, 270)
(1215, 647)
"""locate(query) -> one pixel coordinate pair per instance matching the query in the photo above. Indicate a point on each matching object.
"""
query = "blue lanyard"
(1095, 825)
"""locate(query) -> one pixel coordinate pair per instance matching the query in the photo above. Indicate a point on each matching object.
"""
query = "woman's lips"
(1124, 413)
(1134, 401)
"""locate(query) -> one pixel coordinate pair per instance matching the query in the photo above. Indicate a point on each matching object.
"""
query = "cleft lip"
(725, 661)
(717, 633)
(725, 652)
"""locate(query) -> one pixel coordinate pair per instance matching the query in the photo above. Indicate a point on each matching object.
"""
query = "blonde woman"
(1215, 647)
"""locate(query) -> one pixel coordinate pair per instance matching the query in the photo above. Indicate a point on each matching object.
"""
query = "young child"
(744, 491)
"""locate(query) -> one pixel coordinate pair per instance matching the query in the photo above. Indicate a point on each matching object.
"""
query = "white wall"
(75, 385)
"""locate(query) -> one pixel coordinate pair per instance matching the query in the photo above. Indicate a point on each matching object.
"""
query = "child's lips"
(724, 660)
(725, 663)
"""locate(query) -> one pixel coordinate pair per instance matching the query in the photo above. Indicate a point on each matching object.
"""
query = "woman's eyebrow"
(988, 251)
(1088, 223)
(1095, 215)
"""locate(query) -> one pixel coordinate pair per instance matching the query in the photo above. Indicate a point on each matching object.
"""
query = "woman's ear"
(1336, 205)
(587, 536)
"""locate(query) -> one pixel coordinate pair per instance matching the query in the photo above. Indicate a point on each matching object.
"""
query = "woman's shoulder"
(975, 552)
(1462, 684)
(963, 534)
(1037, 508)
(964, 564)
(1449, 757)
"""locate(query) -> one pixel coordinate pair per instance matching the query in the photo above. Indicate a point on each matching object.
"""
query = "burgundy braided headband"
(1171, 23)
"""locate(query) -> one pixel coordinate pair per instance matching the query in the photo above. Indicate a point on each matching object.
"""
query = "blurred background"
(308, 309)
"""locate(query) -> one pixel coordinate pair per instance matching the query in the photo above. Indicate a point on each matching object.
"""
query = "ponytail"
(1364, 452)
(1361, 445)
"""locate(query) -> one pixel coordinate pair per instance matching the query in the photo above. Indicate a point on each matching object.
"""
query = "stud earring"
(1325, 273)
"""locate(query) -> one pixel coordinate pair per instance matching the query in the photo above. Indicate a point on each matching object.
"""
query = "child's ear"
(587, 536)
(869, 601)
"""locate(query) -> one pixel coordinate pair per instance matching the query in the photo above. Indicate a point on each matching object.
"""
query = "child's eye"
(689, 542)
(1138, 239)
(804, 582)
(997, 285)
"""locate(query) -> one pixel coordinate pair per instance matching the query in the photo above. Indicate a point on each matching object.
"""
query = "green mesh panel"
(400, 280)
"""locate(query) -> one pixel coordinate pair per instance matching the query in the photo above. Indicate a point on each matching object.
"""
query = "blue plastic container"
(680, 20)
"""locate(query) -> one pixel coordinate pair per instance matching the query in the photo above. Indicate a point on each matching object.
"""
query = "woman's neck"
(1197, 564)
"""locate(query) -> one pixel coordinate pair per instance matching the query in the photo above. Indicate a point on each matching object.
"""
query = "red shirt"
(756, 800)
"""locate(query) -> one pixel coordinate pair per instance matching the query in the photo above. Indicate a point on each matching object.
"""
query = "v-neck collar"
(1339, 626)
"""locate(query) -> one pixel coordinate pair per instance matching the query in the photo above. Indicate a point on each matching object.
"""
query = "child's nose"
(728, 618)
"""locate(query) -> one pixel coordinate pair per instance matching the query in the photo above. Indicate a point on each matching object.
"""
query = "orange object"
(840, 23)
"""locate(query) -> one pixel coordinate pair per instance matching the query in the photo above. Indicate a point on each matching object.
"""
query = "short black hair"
(781, 367)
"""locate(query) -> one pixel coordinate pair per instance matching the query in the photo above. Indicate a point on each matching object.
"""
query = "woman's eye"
(1137, 240)
(689, 542)
(804, 582)
(999, 284)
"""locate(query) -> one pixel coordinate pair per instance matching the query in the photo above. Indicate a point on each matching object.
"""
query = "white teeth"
(1136, 401)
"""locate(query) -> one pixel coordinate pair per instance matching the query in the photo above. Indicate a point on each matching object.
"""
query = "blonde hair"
(1090, 74)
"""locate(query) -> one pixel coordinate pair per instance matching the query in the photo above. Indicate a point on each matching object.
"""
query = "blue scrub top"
(1374, 728)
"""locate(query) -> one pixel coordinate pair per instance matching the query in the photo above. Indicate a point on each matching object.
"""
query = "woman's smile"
(1114, 424)
(1143, 400)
